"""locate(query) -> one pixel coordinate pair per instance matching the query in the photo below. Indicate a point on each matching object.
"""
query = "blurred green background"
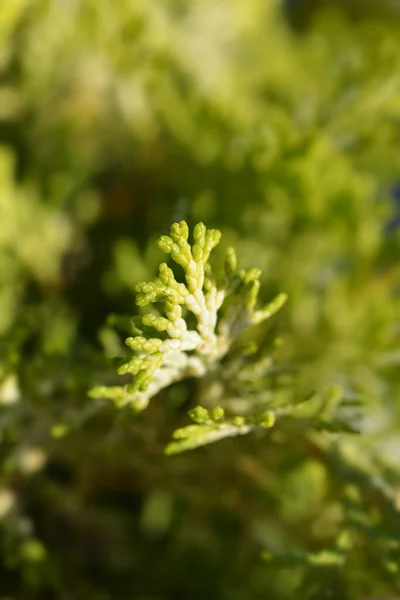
(277, 122)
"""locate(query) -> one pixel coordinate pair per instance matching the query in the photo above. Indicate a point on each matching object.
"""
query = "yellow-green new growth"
(211, 426)
(166, 349)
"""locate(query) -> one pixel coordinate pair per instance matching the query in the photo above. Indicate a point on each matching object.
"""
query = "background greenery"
(278, 124)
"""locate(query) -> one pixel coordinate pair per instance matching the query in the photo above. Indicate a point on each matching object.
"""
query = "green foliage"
(167, 348)
(211, 426)
(116, 119)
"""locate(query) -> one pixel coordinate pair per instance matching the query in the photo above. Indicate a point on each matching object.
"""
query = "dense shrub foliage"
(118, 119)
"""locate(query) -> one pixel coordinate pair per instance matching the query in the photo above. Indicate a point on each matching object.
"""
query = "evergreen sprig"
(211, 425)
(166, 348)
